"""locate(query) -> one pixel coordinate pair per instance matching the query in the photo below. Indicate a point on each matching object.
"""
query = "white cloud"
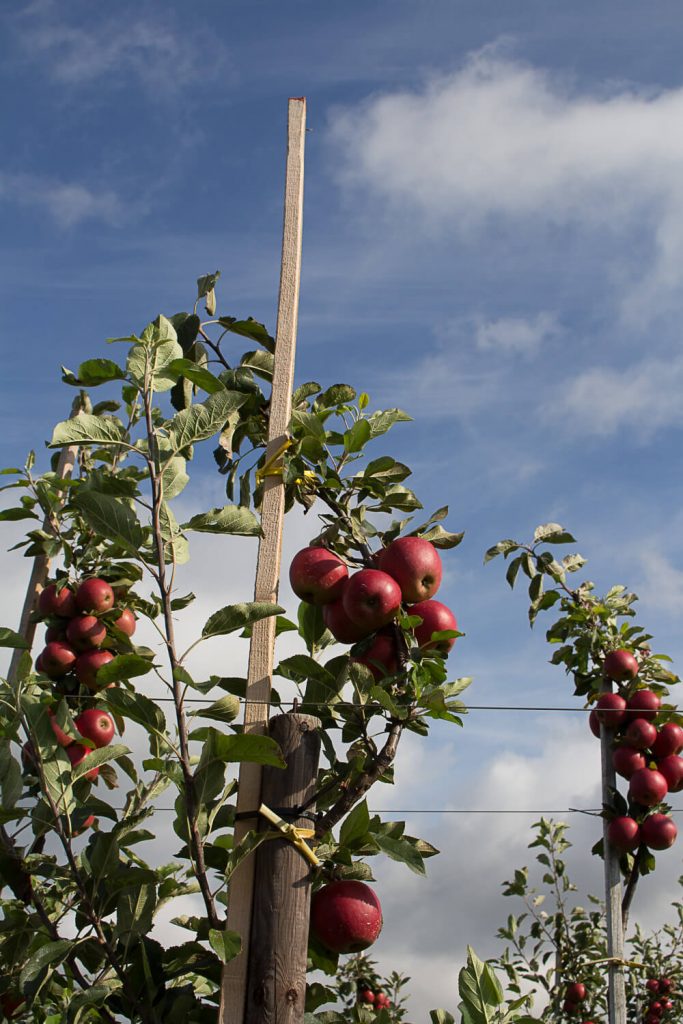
(645, 397)
(498, 137)
(515, 334)
(68, 203)
(662, 587)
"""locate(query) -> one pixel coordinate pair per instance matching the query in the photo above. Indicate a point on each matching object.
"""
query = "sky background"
(493, 241)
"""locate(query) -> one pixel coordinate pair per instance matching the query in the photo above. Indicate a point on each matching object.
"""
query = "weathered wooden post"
(261, 652)
(616, 994)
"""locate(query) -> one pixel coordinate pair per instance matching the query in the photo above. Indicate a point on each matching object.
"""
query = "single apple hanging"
(346, 916)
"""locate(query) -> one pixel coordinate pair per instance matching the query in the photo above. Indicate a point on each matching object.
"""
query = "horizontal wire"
(458, 810)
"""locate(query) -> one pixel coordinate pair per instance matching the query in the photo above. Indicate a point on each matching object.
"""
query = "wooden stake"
(261, 651)
(616, 995)
(41, 563)
(276, 985)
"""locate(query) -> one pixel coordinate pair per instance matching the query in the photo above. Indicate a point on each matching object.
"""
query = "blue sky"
(493, 240)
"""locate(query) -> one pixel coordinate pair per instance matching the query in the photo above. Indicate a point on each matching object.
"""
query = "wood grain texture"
(613, 892)
(276, 979)
(262, 648)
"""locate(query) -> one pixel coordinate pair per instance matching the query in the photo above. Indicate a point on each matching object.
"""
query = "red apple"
(28, 757)
(371, 598)
(665, 984)
(640, 734)
(669, 740)
(610, 709)
(380, 657)
(10, 1003)
(575, 992)
(97, 726)
(86, 824)
(86, 632)
(594, 723)
(624, 834)
(126, 622)
(647, 787)
(88, 663)
(658, 832)
(627, 760)
(340, 625)
(652, 985)
(57, 659)
(367, 995)
(54, 602)
(63, 738)
(317, 575)
(95, 595)
(77, 753)
(435, 617)
(569, 1007)
(620, 665)
(415, 564)
(38, 664)
(643, 704)
(346, 916)
(55, 633)
(671, 768)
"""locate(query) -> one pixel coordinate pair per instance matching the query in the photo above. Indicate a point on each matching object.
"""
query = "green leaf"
(260, 362)
(13, 515)
(230, 519)
(225, 709)
(11, 783)
(174, 477)
(225, 944)
(50, 953)
(237, 616)
(8, 638)
(503, 547)
(203, 378)
(249, 328)
(110, 517)
(357, 436)
(441, 538)
(93, 372)
(219, 746)
(401, 850)
(380, 422)
(98, 757)
(135, 910)
(123, 666)
(355, 826)
(479, 990)
(87, 429)
(337, 394)
(553, 533)
(136, 707)
(207, 283)
(202, 420)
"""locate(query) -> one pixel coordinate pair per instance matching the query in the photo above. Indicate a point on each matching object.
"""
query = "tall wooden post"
(41, 563)
(616, 995)
(261, 652)
(276, 980)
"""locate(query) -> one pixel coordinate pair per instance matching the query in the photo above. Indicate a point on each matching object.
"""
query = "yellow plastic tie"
(616, 961)
(297, 836)
(269, 468)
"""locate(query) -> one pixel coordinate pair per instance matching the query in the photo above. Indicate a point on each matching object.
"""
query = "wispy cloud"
(68, 203)
(516, 335)
(501, 138)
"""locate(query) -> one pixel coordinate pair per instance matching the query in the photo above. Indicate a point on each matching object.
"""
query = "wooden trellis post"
(616, 994)
(261, 652)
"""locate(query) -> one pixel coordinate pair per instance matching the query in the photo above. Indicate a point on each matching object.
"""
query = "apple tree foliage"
(559, 938)
(80, 903)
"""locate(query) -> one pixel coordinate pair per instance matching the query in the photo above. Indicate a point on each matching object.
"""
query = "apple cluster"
(375, 998)
(81, 623)
(346, 916)
(574, 995)
(660, 1007)
(644, 750)
(408, 572)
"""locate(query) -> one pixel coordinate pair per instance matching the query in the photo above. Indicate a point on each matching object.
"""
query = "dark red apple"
(346, 916)
(77, 753)
(569, 1007)
(54, 602)
(435, 617)
(97, 726)
(643, 704)
(88, 663)
(652, 985)
(55, 633)
(57, 659)
(367, 995)
(671, 768)
(658, 832)
(575, 992)
(647, 787)
(610, 709)
(669, 740)
(38, 665)
(340, 625)
(371, 598)
(126, 622)
(28, 757)
(415, 564)
(86, 632)
(594, 723)
(10, 1003)
(639, 734)
(627, 760)
(380, 657)
(620, 665)
(95, 595)
(624, 834)
(317, 575)
(63, 738)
